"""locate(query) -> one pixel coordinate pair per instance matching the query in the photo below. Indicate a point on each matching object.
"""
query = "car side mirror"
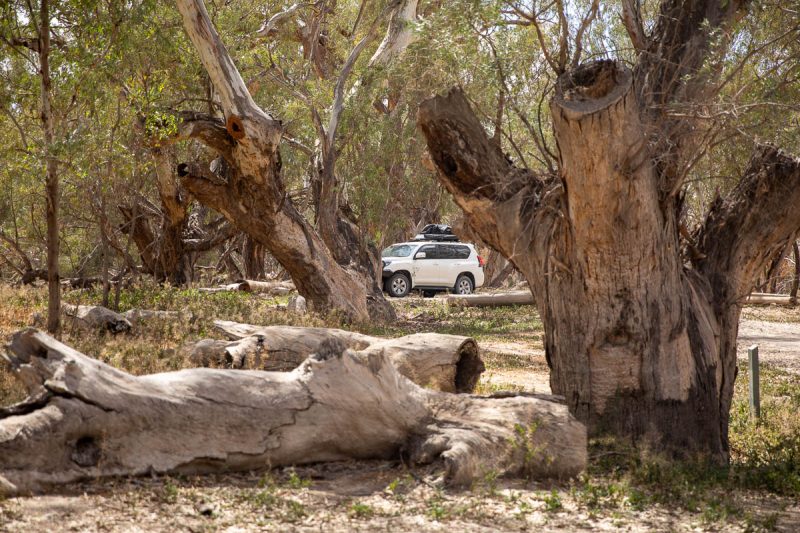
(420, 255)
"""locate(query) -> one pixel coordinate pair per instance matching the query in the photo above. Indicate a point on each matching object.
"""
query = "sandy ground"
(345, 497)
(778, 343)
(778, 346)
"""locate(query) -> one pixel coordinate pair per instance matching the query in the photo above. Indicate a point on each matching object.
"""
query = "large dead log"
(84, 419)
(449, 363)
(273, 288)
(492, 300)
(762, 298)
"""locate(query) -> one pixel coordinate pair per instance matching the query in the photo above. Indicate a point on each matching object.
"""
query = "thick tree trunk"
(638, 344)
(84, 419)
(449, 363)
(253, 259)
(253, 197)
(163, 253)
(51, 186)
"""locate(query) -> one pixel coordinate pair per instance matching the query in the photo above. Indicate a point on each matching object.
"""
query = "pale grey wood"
(96, 317)
(492, 300)
(84, 419)
(449, 363)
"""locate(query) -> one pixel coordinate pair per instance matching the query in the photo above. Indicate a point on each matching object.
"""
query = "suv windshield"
(398, 250)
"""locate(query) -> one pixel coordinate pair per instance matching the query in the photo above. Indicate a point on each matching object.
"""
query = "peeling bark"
(84, 419)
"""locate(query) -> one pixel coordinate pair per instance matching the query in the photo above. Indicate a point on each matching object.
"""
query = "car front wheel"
(398, 285)
(464, 285)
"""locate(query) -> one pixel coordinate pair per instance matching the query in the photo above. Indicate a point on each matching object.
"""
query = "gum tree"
(640, 313)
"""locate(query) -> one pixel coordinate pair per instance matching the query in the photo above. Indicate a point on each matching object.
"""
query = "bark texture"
(640, 344)
(84, 419)
(449, 363)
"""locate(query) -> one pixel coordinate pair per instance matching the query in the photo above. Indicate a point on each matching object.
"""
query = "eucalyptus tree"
(640, 311)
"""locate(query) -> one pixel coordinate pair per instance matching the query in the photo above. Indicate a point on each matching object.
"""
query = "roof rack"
(436, 232)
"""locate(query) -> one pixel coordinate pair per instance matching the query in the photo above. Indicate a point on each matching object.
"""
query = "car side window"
(461, 252)
(430, 251)
(445, 252)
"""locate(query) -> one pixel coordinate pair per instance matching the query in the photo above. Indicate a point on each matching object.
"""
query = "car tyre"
(398, 285)
(464, 285)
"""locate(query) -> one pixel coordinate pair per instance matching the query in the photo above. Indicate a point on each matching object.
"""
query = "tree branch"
(632, 20)
(585, 23)
(270, 26)
(231, 88)
(492, 192)
(743, 231)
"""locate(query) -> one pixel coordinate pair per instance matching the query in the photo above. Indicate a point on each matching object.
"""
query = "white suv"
(431, 267)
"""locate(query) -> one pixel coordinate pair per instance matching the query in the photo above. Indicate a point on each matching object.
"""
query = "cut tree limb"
(449, 363)
(84, 419)
(760, 298)
(492, 300)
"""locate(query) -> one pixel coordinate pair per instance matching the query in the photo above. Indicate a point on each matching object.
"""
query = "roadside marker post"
(755, 399)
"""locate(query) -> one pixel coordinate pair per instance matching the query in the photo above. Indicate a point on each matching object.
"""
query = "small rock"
(297, 304)
(205, 509)
(37, 320)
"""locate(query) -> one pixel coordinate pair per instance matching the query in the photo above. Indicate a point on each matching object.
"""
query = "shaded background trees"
(123, 76)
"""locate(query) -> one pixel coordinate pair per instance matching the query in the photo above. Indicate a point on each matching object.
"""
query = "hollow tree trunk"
(85, 419)
(449, 363)
(639, 345)
(253, 197)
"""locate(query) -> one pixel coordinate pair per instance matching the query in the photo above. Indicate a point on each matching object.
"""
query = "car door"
(426, 268)
(448, 265)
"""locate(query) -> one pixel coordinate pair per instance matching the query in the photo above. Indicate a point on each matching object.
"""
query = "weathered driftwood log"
(85, 419)
(449, 363)
(492, 300)
(272, 288)
(760, 298)
(143, 315)
(97, 317)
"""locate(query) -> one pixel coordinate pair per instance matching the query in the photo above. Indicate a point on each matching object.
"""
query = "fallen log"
(84, 419)
(762, 298)
(96, 317)
(449, 363)
(272, 288)
(143, 315)
(492, 300)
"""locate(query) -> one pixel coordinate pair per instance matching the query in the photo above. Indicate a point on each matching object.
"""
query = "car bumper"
(479, 278)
